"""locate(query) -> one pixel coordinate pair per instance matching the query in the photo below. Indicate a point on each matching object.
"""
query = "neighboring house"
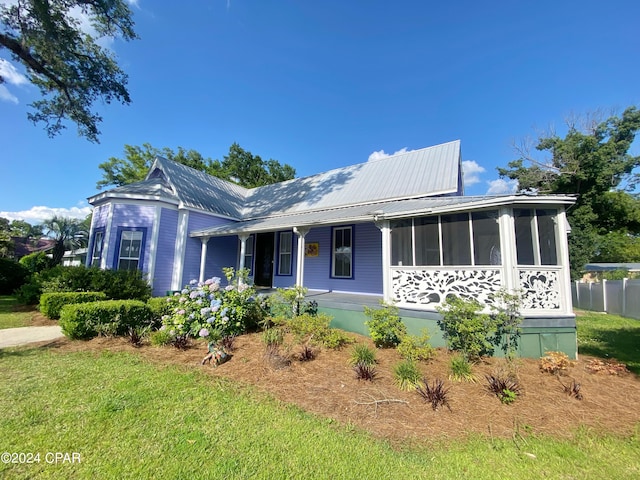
(73, 258)
(397, 229)
(24, 246)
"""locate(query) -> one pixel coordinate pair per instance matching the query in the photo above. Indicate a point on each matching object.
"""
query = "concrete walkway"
(13, 337)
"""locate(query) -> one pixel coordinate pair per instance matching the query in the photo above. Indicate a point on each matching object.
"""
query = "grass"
(610, 336)
(128, 418)
(10, 317)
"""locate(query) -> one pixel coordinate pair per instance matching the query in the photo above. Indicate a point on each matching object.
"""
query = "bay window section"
(130, 247)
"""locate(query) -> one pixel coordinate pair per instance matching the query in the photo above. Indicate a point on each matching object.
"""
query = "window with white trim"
(130, 248)
(285, 253)
(96, 251)
(342, 253)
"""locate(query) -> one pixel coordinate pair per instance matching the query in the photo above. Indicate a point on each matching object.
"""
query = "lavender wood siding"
(165, 251)
(367, 261)
(222, 252)
(126, 215)
(100, 216)
(193, 248)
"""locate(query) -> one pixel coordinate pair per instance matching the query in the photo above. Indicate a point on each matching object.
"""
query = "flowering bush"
(209, 310)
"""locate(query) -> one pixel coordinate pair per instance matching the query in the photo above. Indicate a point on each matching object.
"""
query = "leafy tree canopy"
(16, 228)
(68, 234)
(71, 70)
(239, 166)
(594, 163)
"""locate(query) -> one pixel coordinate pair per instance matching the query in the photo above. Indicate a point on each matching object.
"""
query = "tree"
(68, 234)
(594, 163)
(240, 166)
(66, 63)
(6, 244)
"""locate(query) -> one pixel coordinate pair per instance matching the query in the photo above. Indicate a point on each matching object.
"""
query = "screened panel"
(547, 236)
(401, 243)
(427, 241)
(456, 243)
(523, 219)
(486, 238)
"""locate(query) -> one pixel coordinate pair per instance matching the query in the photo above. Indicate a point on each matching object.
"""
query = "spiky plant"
(362, 353)
(573, 390)
(365, 371)
(407, 375)
(507, 389)
(437, 395)
(461, 369)
(306, 354)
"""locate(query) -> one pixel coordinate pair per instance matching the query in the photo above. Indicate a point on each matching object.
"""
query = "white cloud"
(7, 96)
(9, 73)
(501, 186)
(381, 154)
(471, 172)
(38, 214)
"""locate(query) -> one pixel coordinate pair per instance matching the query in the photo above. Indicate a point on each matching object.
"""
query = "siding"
(193, 248)
(367, 261)
(165, 251)
(100, 215)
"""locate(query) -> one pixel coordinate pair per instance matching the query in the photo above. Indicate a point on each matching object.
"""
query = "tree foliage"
(64, 61)
(593, 163)
(239, 166)
(68, 234)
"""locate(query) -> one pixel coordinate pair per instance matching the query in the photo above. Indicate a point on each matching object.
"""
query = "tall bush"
(384, 324)
(112, 317)
(36, 262)
(12, 276)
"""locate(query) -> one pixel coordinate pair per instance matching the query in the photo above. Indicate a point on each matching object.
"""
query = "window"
(130, 247)
(96, 252)
(454, 239)
(284, 253)
(342, 261)
(248, 254)
(536, 236)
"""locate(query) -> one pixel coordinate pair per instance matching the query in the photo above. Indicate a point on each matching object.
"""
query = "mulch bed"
(327, 387)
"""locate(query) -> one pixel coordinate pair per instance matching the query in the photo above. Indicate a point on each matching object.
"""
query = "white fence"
(620, 297)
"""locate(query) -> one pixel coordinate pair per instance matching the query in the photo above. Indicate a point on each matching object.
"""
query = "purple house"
(397, 229)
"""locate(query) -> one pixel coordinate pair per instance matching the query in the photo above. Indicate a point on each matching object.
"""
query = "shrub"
(407, 375)
(159, 306)
(307, 328)
(120, 284)
(160, 338)
(384, 324)
(137, 334)
(29, 293)
(290, 302)
(332, 338)
(306, 354)
(506, 313)
(434, 394)
(36, 262)
(12, 276)
(573, 390)
(412, 347)
(200, 308)
(86, 320)
(272, 337)
(466, 329)
(460, 369)
(52, 303)
(555, 362)
(505, 388)
(361, 353)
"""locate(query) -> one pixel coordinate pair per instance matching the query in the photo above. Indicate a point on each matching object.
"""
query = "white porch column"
(301, 232)
(243, 249)
(385, 229)
(203, 257)
(508, 252)
(562, 241)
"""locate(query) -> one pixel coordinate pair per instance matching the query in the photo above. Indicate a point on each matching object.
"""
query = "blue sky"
(321, 85)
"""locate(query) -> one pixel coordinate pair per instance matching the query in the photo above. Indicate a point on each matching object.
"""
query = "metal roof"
(377, 211)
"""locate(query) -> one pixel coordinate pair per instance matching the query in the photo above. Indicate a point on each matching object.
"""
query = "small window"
(96, 253)
(248, 254)
(284, 253)
(342, 253)
(130, 247)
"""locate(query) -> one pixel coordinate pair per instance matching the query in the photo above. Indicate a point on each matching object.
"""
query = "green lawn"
(10, 317)
(128, 418)
(610, 336)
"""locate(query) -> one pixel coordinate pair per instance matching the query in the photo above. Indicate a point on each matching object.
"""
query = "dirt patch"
(327, 386)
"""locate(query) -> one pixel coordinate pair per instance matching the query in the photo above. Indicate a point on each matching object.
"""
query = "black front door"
(264, 260)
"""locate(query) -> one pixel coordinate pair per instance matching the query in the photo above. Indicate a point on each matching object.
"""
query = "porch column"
(385, 229)
(243, 249)
(301, 232)
(203, 257)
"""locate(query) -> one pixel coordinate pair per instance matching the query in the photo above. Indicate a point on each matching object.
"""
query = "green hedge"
(52, 303)
(108, 317)
(159, 307)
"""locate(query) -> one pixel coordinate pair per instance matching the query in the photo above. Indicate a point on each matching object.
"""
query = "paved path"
(13, 337)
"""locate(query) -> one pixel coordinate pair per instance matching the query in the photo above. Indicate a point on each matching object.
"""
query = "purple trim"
(331, 253)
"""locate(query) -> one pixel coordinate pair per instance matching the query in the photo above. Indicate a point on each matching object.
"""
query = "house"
(23, 246)
(397, 229)
(73, 258)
